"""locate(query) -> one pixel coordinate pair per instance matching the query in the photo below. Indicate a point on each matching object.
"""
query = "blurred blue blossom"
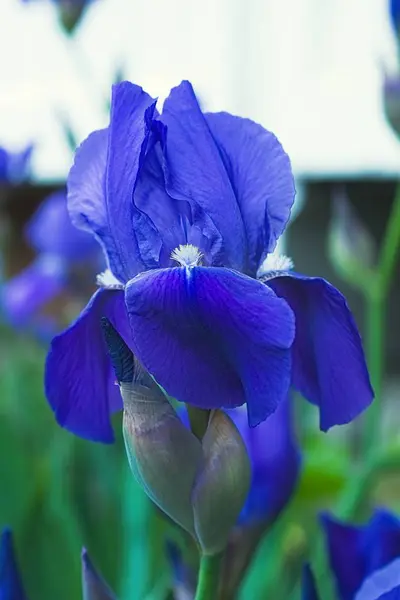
(10, 582)
(383, 584)
(356, 552)
(15, 167)
(189, 207)
(61, 251)
(275, 459)
(394, 11)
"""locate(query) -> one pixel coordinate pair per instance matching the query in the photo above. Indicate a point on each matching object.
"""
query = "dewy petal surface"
(103, 177)
(79, 380)
(357, 551)
(329, 366)
(50, 230)
(212, 337)
(196, 172)
(261, 176)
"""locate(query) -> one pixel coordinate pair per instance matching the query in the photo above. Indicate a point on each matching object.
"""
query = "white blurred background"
(310, 70)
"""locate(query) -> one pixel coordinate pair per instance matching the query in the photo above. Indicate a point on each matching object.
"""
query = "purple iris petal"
(15, 166)
(275, 460)
(79, 380)
(50, 230)
(308, 586)
(356, 552)
(10, 582)
(329, 366)
(212, 337)
(261, 177)
(102, 181)
(394, 10)
(383, 584)
(27, 292)
(196, 172)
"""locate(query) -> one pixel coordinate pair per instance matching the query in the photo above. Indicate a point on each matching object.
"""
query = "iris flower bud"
(93, 586)
(200, 484)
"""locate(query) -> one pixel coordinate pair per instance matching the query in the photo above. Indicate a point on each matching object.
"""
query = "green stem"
(207, 586)
(376, 296)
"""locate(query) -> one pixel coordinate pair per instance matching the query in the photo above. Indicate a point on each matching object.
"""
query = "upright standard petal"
(329, 366)
(79, 379)
(275, 459)
(383, 584)
(261, 176)
(212, 337)
(102, 180)
(10, 582)
(196, 172)
(25, 294)
(357, 551)
(50, 230)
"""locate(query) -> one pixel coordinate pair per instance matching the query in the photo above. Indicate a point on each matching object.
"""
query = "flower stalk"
(208, 577)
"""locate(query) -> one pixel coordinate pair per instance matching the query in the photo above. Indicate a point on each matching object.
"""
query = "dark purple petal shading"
(308, 586)
(51, 230)
(196, 172)
(383, 584)
(357, 551)
(79, 379)
(11, 587)
(23, 295)
(275, 460)
(261, 176)
(93, 585)
(212, 337)
(329, 366)
(102, 181)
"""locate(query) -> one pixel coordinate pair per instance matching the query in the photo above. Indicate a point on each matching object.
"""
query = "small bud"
(199, 482)
(93, 586)
(222, 487)
(70, 13)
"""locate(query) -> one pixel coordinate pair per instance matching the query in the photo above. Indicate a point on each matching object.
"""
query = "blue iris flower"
(11, 587)
(361, 557)
(188, 208)
(276, 461)
(15, 166)
(61, 249)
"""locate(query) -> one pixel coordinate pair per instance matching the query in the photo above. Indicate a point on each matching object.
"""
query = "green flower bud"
(199, 483)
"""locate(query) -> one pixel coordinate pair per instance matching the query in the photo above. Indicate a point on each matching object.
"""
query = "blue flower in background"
(394, 10)
(357, 552)
(60, 249)
(15, 166)
(188, 208)
(275, 460)
(10, 582)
